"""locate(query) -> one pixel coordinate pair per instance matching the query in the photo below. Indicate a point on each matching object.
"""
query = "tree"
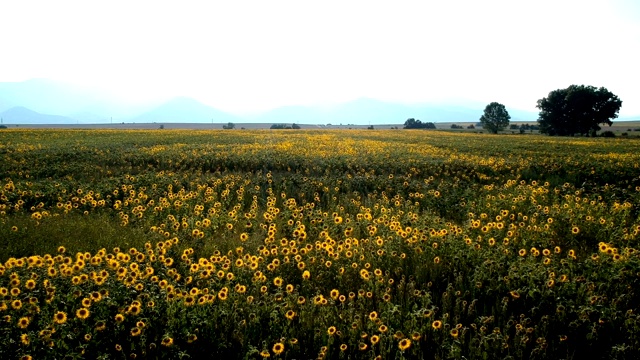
(495, 117)
(578, 109)
(229, 126)
(412, 123)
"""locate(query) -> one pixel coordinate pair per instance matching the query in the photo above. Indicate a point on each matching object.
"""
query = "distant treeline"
(284, 126)
(417, 124)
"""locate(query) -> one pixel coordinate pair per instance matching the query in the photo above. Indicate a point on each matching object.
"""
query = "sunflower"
(265, 353)
(60, 317)
(404, 344)
(331, 330)
(23, 322)
(119, 318)
(290, 314)
(189, 300)
(83, 313)
(437, 324)
(16, 304)
(278, 348)
(454, 332)
(136, 331)
(375, 339)
(334, 294)
(30, 284)
(101, 325)
(134, 309)
(168, 341)
(373, 316)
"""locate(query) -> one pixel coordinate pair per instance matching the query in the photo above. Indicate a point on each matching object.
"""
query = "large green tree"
(495, 117)
(578, 109)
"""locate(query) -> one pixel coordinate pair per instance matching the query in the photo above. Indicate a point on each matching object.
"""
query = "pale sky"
(245, 56)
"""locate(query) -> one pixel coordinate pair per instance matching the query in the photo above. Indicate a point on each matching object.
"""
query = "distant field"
(618, 126)
(317, 244)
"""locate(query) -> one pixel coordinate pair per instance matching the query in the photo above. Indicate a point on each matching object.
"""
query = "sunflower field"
(349, 244)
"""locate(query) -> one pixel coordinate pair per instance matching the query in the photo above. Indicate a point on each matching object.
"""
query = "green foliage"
(284, 126)
(412, 123)
(229, 126)
(578, 109)
(495, 117)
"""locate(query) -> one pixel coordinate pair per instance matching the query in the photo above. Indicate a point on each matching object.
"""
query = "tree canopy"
(495, 117)
(412, 123)
(578, 109)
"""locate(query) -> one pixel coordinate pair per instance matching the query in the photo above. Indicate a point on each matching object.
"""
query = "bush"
(608, 134)
(282, 126)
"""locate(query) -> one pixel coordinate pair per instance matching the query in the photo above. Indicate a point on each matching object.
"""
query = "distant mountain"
(51, 97)
(86, 117)
(183, 109)
(84, 106)
(22, 115)
(365, 111)
(291, 115)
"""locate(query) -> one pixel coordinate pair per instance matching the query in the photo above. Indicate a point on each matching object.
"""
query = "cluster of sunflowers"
(259, 244)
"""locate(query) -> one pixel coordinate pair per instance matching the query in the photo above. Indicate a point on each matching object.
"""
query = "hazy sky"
(245, 56)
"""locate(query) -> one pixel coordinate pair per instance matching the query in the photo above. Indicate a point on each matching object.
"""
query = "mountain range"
(41, 101)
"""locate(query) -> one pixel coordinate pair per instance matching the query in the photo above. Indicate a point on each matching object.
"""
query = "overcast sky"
(245, 56)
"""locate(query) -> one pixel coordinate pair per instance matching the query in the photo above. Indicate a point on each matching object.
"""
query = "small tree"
(229, 126)
(495, 117)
